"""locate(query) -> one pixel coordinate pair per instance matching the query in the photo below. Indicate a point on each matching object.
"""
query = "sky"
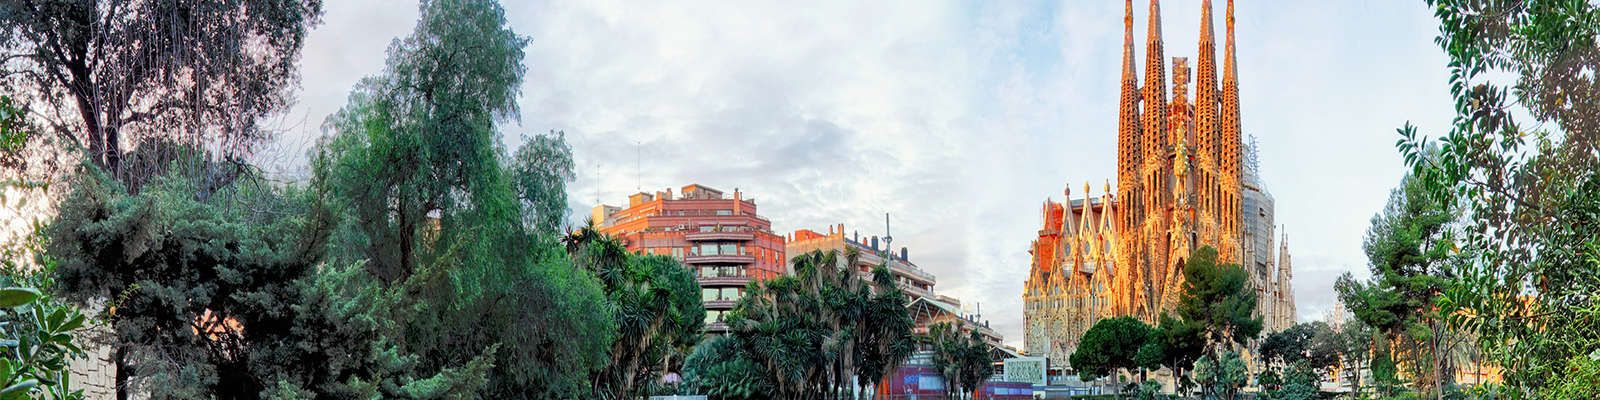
(959, 119)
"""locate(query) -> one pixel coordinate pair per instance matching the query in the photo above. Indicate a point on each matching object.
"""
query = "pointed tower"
(1154, 174)
(1229, 151)
(1129, 151)
(1286, 308)
(1155, 92)
(1205, 100)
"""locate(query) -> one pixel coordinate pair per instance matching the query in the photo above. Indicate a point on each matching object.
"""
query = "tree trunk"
(119, 359)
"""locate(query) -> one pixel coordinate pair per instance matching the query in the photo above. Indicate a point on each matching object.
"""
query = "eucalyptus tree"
(110, 75)
(415, 166)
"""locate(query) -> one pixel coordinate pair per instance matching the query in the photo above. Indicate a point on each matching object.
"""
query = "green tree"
(420, 138)
(1355, 349)
(1409, 250)
(811, 332)
(1181, 344)
(539, 172)
(103, 72)
(1217, 297)
(963, 359)
(414, 165)
(1301, 382)
(719, 370)
(657, 306)
(1521, 158)
(1223, 375)
(1114, 344)
(1311, 342)
(39, 335)
(200, 291)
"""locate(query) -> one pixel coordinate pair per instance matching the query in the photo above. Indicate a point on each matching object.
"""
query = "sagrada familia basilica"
(1185, 179)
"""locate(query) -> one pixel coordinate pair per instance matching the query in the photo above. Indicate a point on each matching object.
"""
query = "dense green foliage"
(184, 277)
(963, 359)
(804, 336)
(1314, 343)
(106, 73)
(539, 172)
(1523, 158)
(1222, 375)
(1181, 343)
(1218, 298)
(1114, 344)
(657, 306)
(414, 165)
(39, 335)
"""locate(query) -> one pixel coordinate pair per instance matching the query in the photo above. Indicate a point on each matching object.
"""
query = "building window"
(708, 294)
(724, 212)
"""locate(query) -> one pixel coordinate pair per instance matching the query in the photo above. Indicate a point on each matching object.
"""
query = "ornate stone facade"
(1179, 187)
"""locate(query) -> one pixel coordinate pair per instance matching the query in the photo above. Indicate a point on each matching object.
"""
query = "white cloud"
(959, 119)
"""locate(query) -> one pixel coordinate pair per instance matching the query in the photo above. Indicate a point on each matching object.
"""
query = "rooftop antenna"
(888, 247)
(638, 165)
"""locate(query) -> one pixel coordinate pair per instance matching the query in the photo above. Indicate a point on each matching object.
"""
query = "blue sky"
(959, 119)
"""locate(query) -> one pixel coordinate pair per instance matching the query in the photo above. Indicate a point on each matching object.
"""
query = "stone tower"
(1179, 187)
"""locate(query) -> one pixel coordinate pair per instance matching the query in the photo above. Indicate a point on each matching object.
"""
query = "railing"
(740, 236)
(725, 281)
(720, 258)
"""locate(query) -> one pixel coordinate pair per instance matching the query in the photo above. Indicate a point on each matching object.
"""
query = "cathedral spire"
(1155, 88)
(1205, 101)
(1230, 105)
(1129, 153)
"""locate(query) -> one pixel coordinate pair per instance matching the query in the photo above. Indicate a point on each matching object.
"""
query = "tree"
(41, 333)
(540, 170)
(718, 369)
(1355, 349)
(1520, 158)
(1301, 382)
(963, 359)
(1182, 343)
(414, 165)
(809, 333)
(657, 306)
(1311, 342)
(110, 74)
(1223, 375)
(1114, 344)
(420, 139)
(185, 277)
(1408, 247)
(1217, 298)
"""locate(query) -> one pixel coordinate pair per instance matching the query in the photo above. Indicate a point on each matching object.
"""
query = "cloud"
(959, 119)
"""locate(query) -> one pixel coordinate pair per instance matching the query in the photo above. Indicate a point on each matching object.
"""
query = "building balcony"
(724, 281)
(718, 327)
(720, 259)
(720, 304)
(735, 236)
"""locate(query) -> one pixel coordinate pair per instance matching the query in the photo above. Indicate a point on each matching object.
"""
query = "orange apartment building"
(722, 239)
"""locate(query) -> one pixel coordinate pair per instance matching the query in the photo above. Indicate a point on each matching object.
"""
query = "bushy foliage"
(106, 74)
(1223, 375)
(1217, 297)
(1114, 344)
(657, 306)
(807, 334)
(40, 336)
(197, 289)
(963, 359)
(1522, 157)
